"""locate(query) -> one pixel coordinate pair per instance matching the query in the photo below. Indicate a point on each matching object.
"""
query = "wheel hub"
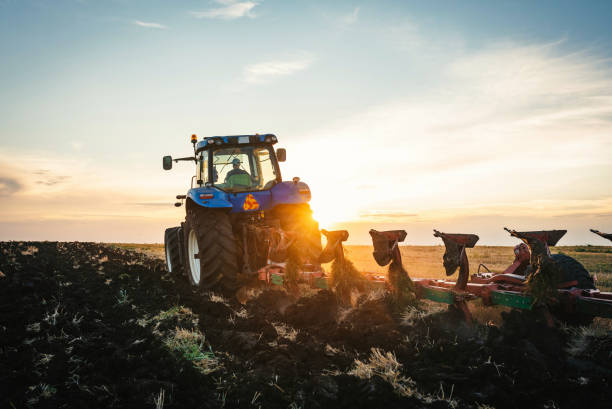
(194, 257)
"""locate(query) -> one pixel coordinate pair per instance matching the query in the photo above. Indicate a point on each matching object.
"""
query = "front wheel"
(210, 250)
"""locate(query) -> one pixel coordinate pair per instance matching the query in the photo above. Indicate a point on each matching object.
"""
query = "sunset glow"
(396, 115)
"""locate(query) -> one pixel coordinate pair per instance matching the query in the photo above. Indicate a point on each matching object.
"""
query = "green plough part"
(321, 282)
(509, 299)
(276, 279)
(438, 295)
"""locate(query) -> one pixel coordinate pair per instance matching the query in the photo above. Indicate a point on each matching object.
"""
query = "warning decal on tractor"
(250, 203)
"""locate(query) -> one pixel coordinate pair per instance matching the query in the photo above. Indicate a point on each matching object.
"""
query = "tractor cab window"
(243, 169)
(202, 168)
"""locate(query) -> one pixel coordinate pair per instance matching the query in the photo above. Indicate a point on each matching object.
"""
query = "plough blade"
(538, 242)
(386, 245)
(279, 241)
(550, 237)
(455, 255)
(604, 235)
(333, 249)
(466, 240)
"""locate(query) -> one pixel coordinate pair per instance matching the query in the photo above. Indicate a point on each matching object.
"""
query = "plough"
(508, 288)
(274, 272)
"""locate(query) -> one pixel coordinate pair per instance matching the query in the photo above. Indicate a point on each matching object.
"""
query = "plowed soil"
(88, 325)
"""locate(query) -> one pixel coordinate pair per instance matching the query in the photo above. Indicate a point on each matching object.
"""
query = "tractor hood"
(281, 193)
(290, 193)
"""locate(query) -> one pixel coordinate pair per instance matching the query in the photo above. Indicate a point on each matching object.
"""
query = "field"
(426, 261)
(94, 325)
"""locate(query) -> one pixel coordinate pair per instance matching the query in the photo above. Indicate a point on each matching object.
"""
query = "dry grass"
(153, 250)
(345, 279)
(426, 261)
(285, 331)
(582, 337)
(385, 366)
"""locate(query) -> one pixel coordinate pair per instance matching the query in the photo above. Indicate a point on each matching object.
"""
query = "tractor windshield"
(243, 169)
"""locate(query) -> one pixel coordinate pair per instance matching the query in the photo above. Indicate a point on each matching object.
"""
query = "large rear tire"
(572, 270)
(172, 248)
(211, 254)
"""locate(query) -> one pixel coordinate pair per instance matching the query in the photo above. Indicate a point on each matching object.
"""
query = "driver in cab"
(236, 170)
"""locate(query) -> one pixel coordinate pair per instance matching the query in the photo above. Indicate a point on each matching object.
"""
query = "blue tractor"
(240, 216)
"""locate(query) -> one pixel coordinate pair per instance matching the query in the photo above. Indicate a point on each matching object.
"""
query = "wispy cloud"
(231, 10)
(9, 186)
(506, 124)
(268, 70)
(350, 18)
(149, 24)
(153, 204)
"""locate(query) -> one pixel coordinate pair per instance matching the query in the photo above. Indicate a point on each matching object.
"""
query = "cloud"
(350, 18)
(231, 10)
(268, 70)
(77, 145)
(154, 204)
(9, 186)
(510, 123)
(49, 179)
(149, 24)
(387, 215)
(54, 180)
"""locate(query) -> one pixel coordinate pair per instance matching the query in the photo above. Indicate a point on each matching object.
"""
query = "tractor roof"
(233, 140)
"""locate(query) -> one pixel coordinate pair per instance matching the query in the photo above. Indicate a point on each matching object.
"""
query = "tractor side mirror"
(281, 154)
(167, 161)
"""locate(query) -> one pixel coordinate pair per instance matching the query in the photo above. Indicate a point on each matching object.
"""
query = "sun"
(330, 214)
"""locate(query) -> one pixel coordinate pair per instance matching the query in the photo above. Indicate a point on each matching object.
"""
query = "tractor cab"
(242, 163)
(241, 173)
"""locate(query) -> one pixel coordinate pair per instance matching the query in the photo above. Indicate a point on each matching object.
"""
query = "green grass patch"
(191, 345)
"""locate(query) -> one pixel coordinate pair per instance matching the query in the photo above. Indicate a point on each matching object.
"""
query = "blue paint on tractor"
(210, 196)
(281, 193)
(201, 197)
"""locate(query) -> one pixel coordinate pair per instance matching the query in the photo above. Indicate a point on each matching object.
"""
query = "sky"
(464, 116)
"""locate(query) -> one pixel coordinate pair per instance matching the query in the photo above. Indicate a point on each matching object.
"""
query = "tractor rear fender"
(290, 193)
(208, 197)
